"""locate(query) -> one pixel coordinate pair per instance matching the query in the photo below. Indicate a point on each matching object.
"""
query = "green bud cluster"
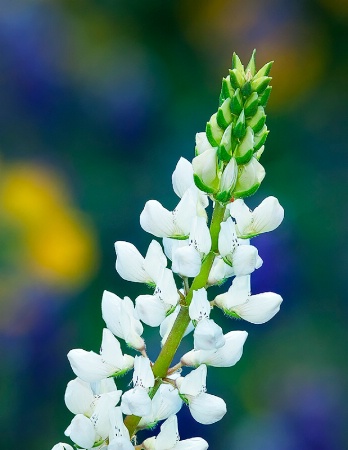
(238, 128)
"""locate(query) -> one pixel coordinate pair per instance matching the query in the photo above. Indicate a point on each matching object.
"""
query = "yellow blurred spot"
(59, 245)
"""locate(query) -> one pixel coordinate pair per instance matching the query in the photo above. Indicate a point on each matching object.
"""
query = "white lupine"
(202, 143)
(89, 366)
(81, 431)
(168, 439)
(62, 446)
(205, 166)
(132, 266)
(207, 334)
(119, 438)
(136, 401)
(152, 309)
(238, 301)
(266, 217)
(182, 180)
(163, 223)
(229, 176)
(250, 176)
(187, 260)
(243, 258)
(205, 408)
(165, 402)
(225, 356)
(219, 272)
(119, 316)
(168, 323)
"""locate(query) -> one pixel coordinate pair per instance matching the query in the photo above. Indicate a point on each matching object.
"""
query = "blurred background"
(99, 99)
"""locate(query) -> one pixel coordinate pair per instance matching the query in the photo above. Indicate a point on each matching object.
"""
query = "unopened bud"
(213, 131)
(225, 148)
(251, 67)
(265, 70)
(236, 78)
(224, 116)
(245, 149)
(265, 96)
(260, 138)
(249, 179)
(260, 84)
(236, 103)
(239, 128)
(258, 120)
(251, 105)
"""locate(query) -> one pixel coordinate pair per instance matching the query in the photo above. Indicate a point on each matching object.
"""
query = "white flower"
(266, 217)
(62, 446)
(168, 323)
(238, 302)
(205, 167)
(207, 334)
(152, 309)
(131, 266)
(82, 397)
(165, 402)
(81, 431)
(243, 258)
(202, 143)
(119, 316)
(89, 366)
(163, 223)
(136, 401)
(169, 439)
(182, 180)
(250, 176)
(187, 260)
(205, 408)
(219, 272)
(119, 438)
(225, 356)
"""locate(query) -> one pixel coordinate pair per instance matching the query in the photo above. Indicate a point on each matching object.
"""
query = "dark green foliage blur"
(99, 99)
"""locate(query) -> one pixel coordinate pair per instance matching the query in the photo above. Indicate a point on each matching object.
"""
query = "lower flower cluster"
(194, 257)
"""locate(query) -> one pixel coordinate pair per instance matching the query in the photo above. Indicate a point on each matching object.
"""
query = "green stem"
(167, 353)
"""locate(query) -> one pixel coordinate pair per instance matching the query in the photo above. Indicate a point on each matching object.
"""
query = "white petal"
(150, 310)
(226, 356)
(130, 263)
(111, 308)
(219, 272)
(120, 443)
(200, 236)
(166, 289)
(111, 350)
(229, 176)
(227, 242)
(237, 294)
(267, 216)
(195, 443)
(157, 220)
(100, 418)
(165, 403)
(207, 409)
(186, 261)
(155, 261)
(244, 260)
(202, 143)
(259, 308)
(250, 177)
(242, 214)
(205, 166)
(79, 397)
(208, 335)
(103, 386)
(169, 435)
(170, 245)
(195, 382)
(199, 307)
(81, 431)
(182, 177)
(62, 446)
(136, 401)
(89, 366)
(185, 212)
(117, 428)
(143, 375)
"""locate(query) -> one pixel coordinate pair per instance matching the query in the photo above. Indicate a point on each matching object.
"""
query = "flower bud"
(205, 170)
(251, 67)
(258, 120)
(251, 105)
(249, 178)
(213, 131)
(224, 116)
(265, 96)
(236, 104)
(226, 89)
(265, 70)
(224, 151)
(244, 150)
(237, 78)
(260, 138)
(239, 128)
(260, 84)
